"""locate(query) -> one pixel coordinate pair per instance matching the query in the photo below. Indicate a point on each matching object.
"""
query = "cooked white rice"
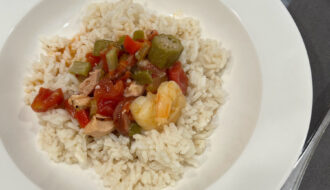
(152, 160)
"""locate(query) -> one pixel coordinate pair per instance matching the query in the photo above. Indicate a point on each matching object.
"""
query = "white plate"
(262, 127)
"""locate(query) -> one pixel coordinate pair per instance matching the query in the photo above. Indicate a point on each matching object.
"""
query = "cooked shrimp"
(143, 111)
(155, 111)
(169, 103)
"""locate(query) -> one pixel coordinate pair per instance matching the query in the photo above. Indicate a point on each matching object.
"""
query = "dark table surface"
(313, 20)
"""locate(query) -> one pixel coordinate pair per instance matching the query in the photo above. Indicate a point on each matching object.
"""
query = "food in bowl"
(118, 82)
(132, 95)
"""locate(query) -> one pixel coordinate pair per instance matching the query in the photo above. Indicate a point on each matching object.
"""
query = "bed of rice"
(153, 160)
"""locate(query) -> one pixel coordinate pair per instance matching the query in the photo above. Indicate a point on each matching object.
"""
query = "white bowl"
(262, 127)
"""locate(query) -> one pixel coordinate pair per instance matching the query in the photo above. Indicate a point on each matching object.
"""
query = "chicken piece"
(155, 111)
(99, 126)
(80, 101)
(134, 90)
(88, 85)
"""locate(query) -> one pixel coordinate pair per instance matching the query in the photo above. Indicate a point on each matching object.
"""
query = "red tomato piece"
(177, 74)
(93, 60)
(82, 117)
(47, 99)
(69, 108)
(118, 90)
(108, 90)
(131, 46)
(125, 76)
(106, 107)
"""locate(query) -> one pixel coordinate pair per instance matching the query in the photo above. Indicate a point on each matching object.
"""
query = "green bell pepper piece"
(112, 59)
(138, 35)
(134, 129)
(80, 68)
(142, 77)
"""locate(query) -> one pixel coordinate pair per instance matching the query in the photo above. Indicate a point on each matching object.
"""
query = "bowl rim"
(263, 12)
